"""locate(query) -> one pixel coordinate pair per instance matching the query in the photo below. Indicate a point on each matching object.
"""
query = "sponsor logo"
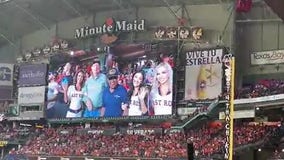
(2, 116)
(31, 74)
(5, 74)
(140, 131)
(269, 55)
(227, 60)
(204, 57)
(110, 26)
(30, 95)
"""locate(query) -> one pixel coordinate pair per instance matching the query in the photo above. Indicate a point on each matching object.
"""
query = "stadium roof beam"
(124, 6)
(7, 39)
(6, 33)
(72, 7)
(40, 16)
(36, 19)
(171, 10)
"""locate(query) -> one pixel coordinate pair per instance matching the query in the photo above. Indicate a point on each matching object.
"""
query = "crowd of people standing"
(88, 92)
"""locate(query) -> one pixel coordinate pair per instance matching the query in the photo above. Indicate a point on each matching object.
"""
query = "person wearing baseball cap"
(115, 97)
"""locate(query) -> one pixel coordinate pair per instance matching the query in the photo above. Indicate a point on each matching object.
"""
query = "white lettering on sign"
(204, 57)
(126, 26)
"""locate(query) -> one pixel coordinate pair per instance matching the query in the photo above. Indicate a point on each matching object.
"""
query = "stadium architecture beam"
(7, 36)
(41, 16)
(35, 18)
(7, 39)
(83, 9)
(72, 7)
(124, 6)
(5, 33)
(174, 13)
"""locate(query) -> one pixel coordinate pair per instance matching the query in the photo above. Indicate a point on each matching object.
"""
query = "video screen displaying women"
(128, 81)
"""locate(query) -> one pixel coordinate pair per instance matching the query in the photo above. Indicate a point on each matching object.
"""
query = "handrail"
(209, 109)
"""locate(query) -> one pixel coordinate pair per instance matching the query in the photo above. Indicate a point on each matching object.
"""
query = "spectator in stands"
(51, 94)
(161, 93)
(115, 97)
(65, 79)
(138, 96)
(261, 88)
(94, 88)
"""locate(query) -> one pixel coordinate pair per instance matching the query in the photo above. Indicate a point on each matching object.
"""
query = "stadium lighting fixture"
(20, 59)
(4, 1)
(71, 53)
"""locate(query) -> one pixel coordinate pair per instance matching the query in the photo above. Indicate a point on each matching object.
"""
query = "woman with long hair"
(161, 93)
(138, 95)
(75, 97)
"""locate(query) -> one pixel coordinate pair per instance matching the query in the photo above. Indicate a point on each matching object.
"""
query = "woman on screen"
(161, 93)
(75, 97)
(138, 96)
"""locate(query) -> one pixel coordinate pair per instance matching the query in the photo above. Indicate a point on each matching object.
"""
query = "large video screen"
(125, 80)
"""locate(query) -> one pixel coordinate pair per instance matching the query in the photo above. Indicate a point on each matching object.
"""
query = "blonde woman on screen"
(161, 93)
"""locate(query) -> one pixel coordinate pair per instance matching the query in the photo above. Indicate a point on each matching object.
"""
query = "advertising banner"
(31, 95)
(6, 92)
(93, 158)
(32, 75)
(6, 74)
(107, 131)
(267, 57)
(138, 131)
(203, 77)
(239, 114)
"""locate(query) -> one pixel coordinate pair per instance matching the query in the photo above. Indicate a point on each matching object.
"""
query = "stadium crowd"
(264, 87)
(207, 140)
(7, 133)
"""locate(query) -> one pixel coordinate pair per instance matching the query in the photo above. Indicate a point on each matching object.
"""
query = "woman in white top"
(138, 96)
(161, 92)
(75, 97)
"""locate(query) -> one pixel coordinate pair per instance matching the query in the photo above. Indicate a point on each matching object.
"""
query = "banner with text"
(203, 74)
(32, 74)
(45, 157)
(138, 131)
(267, 57)
(31, 95)
(6, 74)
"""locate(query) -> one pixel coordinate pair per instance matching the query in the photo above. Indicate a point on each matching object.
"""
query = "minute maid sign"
(111, 27)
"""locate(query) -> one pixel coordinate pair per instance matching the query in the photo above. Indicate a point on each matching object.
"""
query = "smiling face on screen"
(162, 75)
(96, 69)
(137, 79)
